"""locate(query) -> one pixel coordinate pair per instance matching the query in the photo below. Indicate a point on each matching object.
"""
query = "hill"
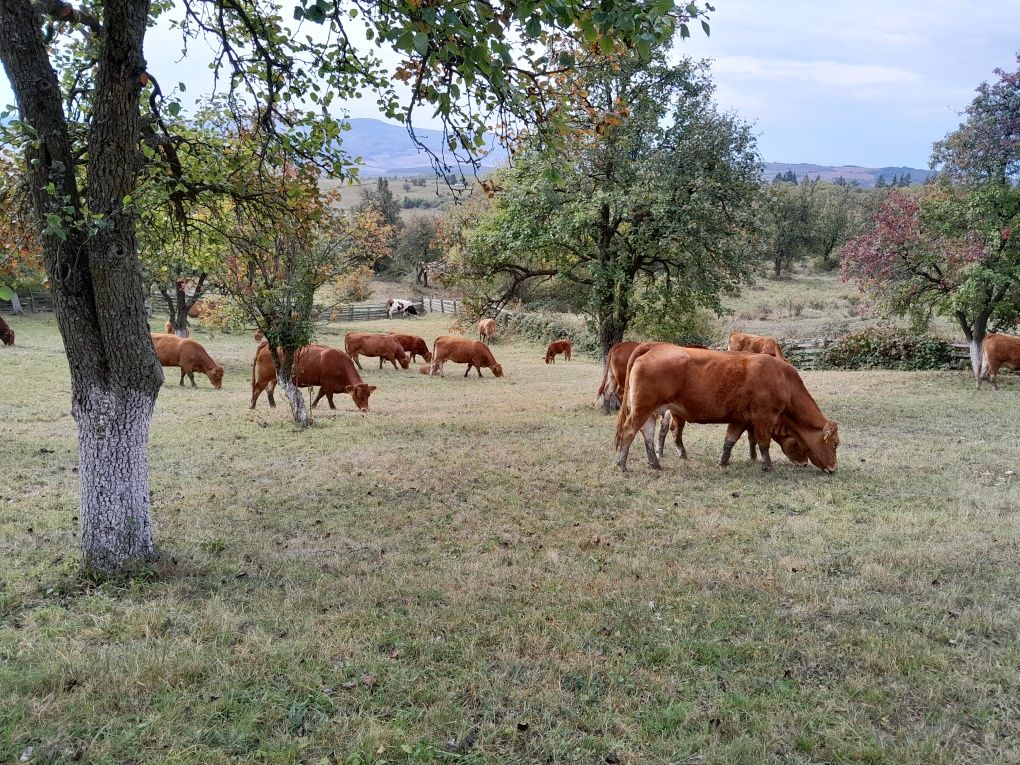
(865, 176)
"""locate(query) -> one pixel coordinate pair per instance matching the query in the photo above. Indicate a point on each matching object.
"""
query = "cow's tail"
(347, 346)
(626, 393)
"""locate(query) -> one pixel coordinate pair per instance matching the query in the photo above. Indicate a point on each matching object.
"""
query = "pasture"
(461, 576)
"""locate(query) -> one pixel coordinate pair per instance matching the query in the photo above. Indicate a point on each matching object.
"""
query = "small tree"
(283, 252)
(417, 247)
(788, 230)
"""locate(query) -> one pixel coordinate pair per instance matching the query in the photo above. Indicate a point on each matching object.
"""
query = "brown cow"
(566, 347)
(169, 328)
(460, 350)
(998, 351)
(486, 330)
(414, 345)
(610, 388)
(788, 442)
(741, 341)
(6, 333)
(187, 354)
(332, 370)
(716, 387)
(386, 347)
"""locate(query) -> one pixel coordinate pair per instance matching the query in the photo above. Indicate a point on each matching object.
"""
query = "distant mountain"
(387, 149)
(865, 176)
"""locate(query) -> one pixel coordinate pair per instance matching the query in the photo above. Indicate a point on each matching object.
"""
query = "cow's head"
(360, 394)
(497, 370)
(425, 352)
(404, 360)
(549, 356)
(793, 448)
(426, 369)
(823, 451)
(216, 376)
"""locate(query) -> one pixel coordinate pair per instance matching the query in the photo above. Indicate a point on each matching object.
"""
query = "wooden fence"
(439, 305)
(32, 302)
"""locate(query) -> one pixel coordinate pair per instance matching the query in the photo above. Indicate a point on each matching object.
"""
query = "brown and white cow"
(386, 347)
(460, 350)
(996, 352)
(566, 347)
(414, 345)
(738, 389)
(741, 341)
(332, 370)
(486, 330)
(187, 354)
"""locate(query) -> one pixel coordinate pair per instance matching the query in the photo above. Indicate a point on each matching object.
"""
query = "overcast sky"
(826, 81)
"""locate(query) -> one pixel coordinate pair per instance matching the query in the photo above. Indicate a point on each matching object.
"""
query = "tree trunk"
(16, 308)
(94, 272)
(298, 407)
(181, 308)
(777, 266)
(975, 333)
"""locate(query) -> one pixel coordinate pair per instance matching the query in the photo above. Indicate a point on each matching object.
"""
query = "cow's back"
(168, 348)
(1002, 349)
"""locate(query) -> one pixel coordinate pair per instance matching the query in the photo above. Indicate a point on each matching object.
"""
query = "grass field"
(459, 576)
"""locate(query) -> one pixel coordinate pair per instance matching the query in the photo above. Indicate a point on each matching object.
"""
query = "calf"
(386, 347)
(565, 347)
(460, 350)
(998, 351)
(414, 345)
(486, 330)
(187, 354)
(741, 341)
(739, 389)
(330, 369)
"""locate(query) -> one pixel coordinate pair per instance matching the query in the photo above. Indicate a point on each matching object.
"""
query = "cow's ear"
(348, 389)
(372, 388)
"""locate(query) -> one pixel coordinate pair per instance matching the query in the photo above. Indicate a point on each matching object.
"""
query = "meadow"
(461, 576)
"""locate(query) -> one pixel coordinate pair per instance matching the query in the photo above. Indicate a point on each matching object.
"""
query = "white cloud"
(829, 74)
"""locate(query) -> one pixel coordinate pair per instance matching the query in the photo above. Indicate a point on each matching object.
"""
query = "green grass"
(459, 576)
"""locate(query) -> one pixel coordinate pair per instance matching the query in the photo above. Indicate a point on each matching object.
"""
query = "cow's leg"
(664, 423)
(182, 376)
(256, 391)
(479, 371)
(191, 376)
(467, 370)
(993, 376)
(269, 394)
(753, 446)
(381, 360)
(648, 433)
(733, 433)
(677, 426)
(763, 436)
(318, 397)
(356, 360)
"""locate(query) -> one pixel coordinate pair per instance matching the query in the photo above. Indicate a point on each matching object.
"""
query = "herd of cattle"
(749, 387)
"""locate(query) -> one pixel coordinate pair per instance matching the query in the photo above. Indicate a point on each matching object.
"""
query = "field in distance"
(461, 576)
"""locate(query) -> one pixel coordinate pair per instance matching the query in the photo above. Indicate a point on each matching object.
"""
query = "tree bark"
(284, 362)
(94, 272)
(16, 308)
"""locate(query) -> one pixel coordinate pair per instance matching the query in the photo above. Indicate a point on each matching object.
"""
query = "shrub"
(760, 312)
(794, 307)
(884, 347)
(544, 328)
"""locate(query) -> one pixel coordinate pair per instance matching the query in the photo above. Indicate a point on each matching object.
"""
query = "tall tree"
(467, 66)
(789, 223)
(653, 191)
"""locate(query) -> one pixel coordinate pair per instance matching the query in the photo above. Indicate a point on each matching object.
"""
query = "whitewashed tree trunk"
(113, 474)
(16, 304)
(298, 407)
(975, 357)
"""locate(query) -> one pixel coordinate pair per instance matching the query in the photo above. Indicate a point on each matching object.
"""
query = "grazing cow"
(386, 347)
(6, 333)
(187, 354)
(998, 351)
(738, 389)
(460, 350)
(740, 341)
(404, 307)
(565, 347)
(486, 330)
(414, 345)
(169, 328)
(330, 369)
(615, 373)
